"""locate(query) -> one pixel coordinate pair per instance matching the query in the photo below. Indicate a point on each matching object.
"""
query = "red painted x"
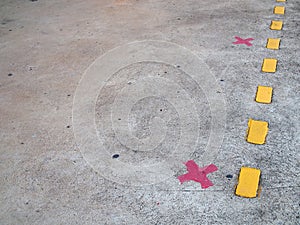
(198, 174)
(243, 41)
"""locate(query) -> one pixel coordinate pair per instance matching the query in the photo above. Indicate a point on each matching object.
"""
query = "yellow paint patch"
(276, 25)
(280, 0)
(248, 182)
(273, 43)
(279, 10)
(257, 131)
(269, 65)
(122, 2)
(264, 94)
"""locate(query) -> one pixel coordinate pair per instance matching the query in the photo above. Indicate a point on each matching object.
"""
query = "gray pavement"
(103, 101)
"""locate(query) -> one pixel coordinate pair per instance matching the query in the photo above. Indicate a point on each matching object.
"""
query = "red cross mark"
(243, 41)
(198, 174)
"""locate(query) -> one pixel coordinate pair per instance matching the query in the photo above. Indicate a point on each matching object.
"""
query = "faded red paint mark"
(198, 174)
(243, 41)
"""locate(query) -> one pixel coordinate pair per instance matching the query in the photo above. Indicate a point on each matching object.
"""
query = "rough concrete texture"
(187, 94)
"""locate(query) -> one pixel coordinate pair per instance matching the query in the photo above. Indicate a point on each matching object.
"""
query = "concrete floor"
(158, 83)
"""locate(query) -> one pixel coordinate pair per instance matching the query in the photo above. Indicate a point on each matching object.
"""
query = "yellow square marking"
(280, 0)
(273, 43)
(264, 94)
(269, 65)
(248, 182)
(279, 10)
(276, 25)
(257, 131)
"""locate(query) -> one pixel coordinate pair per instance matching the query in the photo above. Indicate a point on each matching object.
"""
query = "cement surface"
(102, 102)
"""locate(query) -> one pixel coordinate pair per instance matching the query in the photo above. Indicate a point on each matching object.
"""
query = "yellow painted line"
(257, 131)
(248, 182)
(264, 94)
(279, 10)
(269, 65)
(273, 43)
(276, 25)
(280, 0)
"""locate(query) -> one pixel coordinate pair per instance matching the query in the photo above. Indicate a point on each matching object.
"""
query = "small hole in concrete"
(160, 110)
(221, 80)
(119, 119)
(166, 72)
(115, 156)
(69, 95)
(229, 176)
(178, 66)
(10, 74)
(68, 126)
(22, 143)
